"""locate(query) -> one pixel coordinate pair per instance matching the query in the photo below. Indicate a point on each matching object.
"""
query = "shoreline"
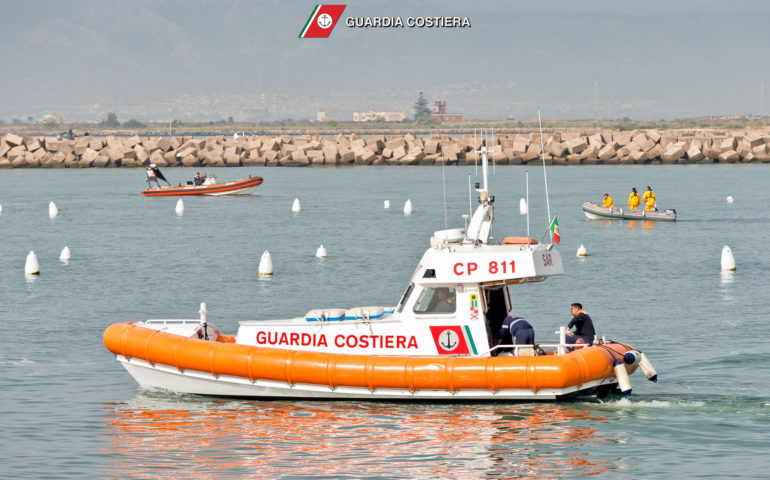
(560, 147)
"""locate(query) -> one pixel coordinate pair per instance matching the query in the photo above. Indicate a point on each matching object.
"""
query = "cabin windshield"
(436, 300)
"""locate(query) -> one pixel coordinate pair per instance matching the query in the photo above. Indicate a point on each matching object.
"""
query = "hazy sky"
(199, 60)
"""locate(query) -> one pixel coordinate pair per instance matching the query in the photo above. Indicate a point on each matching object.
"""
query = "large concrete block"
(96, 144)
(638, 156)
(666, 140)
(607, 152)
(694, 154)
(729, 156)
(101, 161)
(576, 145)
(621, 138)
(232, 160)
(431, 147)
(655, 152)
(13, 139)
(192, 161)
(556, 149)
(728, 144)
(16, 152)
(33, 144)
(346, 156)
(596, 139)
(590, 153)
(673, 152)
(744, 148)
(711, 153)
(170, 157)
(755, 139)
(141, 154)
(519, 146)
(399, 153)
(331, 156)
(759, 149)
(156, 157)
(653, 135)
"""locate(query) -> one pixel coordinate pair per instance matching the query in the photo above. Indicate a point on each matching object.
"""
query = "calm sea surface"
(69, 410)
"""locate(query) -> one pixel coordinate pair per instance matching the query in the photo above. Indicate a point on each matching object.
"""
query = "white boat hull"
(243, 191)
(163, 377)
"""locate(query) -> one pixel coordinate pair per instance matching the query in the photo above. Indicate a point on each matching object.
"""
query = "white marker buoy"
(408, 207)
(730, 199)
(52, 210)
(728, 260)
(1, 209)
(523, 209)
(321, 252)
(295, 207)
(266, 264)
(65, 256)
(179, 207)
(582, 252)
(31, 267)
(386, 203)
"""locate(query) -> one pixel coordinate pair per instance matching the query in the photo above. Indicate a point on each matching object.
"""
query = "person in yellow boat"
(649, 199)
(608, 201)
(633, 199)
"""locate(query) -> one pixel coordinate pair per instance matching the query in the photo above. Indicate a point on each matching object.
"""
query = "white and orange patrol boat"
(439, 343)
(210, 186)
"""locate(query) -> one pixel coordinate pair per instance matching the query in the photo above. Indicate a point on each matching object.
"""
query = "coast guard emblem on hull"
(449, 340)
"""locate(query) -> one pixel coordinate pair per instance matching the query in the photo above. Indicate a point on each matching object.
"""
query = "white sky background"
(199, 60)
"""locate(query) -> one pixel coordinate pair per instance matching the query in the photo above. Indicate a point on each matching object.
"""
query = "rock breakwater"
(560, 148)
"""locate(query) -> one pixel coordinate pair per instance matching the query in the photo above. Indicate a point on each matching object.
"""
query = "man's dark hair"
(579, 306)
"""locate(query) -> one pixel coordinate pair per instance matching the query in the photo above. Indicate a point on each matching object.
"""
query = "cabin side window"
(405, 297)
(436, 300)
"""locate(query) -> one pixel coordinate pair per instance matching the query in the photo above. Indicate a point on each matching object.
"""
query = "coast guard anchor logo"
(449, 340)
(321, 22)
(325, 20)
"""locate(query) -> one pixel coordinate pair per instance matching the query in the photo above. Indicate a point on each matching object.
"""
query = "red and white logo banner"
(322, 21)
(449, 340)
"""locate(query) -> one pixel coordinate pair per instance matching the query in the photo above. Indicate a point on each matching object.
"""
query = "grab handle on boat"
(562, 340)
(203, 312)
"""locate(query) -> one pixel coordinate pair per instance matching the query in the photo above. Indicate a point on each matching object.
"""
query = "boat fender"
(647, 368)
(621, 375)
(632, 357)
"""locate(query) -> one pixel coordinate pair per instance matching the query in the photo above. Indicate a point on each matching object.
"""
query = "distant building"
(320, 116)
(52, 118)
(440, 115)
(374, 116)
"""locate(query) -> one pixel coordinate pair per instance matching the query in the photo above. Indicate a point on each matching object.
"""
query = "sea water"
(69, 410)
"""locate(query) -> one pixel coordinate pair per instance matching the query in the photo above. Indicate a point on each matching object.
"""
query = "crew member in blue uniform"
(515, 331)
(584, 326)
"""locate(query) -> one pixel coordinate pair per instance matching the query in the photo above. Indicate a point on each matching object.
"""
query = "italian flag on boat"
(554, 227)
